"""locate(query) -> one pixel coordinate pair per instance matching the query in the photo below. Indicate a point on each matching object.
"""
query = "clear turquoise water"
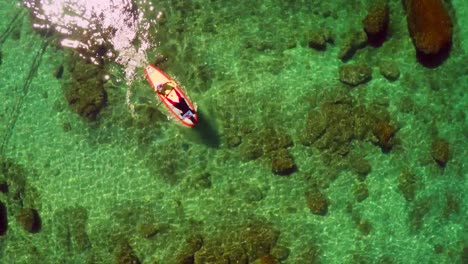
(98, 185)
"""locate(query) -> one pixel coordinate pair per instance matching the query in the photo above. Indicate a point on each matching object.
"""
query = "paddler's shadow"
(205, 132)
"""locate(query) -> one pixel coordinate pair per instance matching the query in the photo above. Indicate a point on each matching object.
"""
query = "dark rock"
(86, 98)
(59, 72)
(282, 162)
(29, 219)
(85, 90)
(440, 151)
(376, 22)
(384, 132)
(316, 201)
(389, 70)
(430, 34)
(355, 74)
(160, 59)
(3, 219)
(4, 187)
(186, 259)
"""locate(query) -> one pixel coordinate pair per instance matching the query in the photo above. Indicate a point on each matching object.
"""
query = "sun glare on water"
(99, 30)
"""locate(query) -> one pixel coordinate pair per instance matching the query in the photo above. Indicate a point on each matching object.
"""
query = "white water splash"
(99, 29)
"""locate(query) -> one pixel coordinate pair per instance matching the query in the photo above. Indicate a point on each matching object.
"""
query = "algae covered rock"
(29, 219)
(318, 40)
(429, 24)
(384, 132)
(355, 41)
(355, 74)
(282, 162)
(238, 243)
(440, 151)
(87, 98)
(84, 90)
(316, 201)
(376, 22)
(389, 70)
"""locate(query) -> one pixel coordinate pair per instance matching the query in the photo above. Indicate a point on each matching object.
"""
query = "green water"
(133, 185)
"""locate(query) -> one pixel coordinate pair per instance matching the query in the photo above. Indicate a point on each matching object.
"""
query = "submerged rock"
(29, 219)
(389, 70)
(316, 201)
(384, 132)
(355, 74)
(338, 122)
(429, 25)
(318, 40)
(355, 41)
(376, 22)
(85, 90)
(440, 151)
(282, 162)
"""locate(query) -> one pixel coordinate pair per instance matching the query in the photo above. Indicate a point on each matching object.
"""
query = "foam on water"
(117, 30)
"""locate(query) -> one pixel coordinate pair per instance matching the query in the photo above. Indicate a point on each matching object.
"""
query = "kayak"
(172, 96)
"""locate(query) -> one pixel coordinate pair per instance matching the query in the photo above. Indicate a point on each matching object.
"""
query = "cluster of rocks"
(339, 121)
(270, 143)
(375, 31)
(251, 242)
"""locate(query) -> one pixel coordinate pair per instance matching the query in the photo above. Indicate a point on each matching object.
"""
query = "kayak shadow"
(205, 132)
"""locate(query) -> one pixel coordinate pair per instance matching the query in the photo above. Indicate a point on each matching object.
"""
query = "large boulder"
(429, 25)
